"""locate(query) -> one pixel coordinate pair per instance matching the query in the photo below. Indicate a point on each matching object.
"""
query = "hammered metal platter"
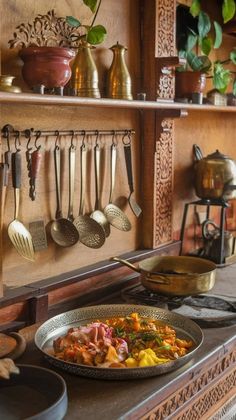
(59, 325)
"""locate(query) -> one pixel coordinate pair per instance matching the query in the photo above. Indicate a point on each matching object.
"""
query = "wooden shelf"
(36, 99)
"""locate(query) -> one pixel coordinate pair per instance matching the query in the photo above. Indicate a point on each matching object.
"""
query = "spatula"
(17, 232)
(128, 160)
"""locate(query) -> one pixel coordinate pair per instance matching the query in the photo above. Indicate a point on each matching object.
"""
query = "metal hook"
(37, 136)
(114, 143)
(127, 134)
(83, 142)
(6, 130)
(72, 138)
(57, 134)
(17, 139)
(97, 136)
(28, 133)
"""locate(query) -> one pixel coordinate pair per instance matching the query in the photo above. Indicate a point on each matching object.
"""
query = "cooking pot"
(215, 175)
(175, 275)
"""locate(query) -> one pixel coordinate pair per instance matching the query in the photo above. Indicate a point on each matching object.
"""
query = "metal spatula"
(128, 160)
(17, 232)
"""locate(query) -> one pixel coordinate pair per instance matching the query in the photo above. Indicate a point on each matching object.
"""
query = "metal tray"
(60, 324)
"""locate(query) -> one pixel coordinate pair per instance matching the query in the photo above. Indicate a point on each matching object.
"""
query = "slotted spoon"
(17, 232)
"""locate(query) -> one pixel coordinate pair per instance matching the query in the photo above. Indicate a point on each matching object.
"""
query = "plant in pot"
(195, 43)
(48, 48)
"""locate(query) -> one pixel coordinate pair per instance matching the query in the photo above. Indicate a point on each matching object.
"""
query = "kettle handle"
(205, 232)
(197, 152)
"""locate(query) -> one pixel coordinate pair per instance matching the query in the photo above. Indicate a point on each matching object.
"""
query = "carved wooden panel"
(163, 181)
(207, 392)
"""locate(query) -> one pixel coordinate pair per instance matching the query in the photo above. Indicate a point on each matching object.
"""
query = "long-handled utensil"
(97, 214)
(63, 231)
(136, 209)
(115, 216)
(17, 232)
(91, 233)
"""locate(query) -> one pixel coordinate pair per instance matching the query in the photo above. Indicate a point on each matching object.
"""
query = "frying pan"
(175, 275)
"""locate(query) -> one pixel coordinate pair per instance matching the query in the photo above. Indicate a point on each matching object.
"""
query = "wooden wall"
(122, 23)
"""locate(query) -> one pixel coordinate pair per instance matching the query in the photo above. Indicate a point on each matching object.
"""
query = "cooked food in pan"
(131, 341)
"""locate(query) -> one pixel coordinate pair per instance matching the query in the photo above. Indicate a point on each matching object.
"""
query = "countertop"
(132, 399)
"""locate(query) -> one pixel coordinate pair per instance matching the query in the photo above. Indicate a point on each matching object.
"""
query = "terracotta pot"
(48, 66)
(188, 82)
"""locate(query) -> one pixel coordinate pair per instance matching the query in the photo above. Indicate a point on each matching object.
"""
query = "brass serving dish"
(175, 275)
(60, 324)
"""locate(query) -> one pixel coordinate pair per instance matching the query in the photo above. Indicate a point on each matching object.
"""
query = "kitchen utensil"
(63, 231)
(38, 233)
(215, 176)
(3, 186)
(175, 275)
(60, 324)
(115, 216)
(97, 214)
(12, 346)
(91, 233)
(17, 232)
(212, 240)
(128, 160)
(35, 162)
(35, 393)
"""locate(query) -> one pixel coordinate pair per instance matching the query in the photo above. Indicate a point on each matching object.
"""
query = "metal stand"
(208, 203)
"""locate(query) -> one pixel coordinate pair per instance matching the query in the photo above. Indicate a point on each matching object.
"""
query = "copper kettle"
(215, 175)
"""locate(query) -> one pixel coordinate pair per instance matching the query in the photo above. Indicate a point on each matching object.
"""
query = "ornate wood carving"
(163, 179)
(165, 47)
(205, 391)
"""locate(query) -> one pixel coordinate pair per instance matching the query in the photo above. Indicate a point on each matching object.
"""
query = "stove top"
(208, 310)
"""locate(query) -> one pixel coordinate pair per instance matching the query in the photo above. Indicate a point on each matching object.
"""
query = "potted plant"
(195, 44)
(48, 46)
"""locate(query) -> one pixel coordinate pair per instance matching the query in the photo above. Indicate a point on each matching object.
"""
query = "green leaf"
(92, 4)
(218, 32)
(221, 77)
(204, 25)
(233, 56)
(96, 35)
(191, 42)
(195, 8)
(73, 21)
(196, 63)
(206, 45)
(228, 10)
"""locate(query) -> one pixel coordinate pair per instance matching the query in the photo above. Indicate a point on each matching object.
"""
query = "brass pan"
(175, 275)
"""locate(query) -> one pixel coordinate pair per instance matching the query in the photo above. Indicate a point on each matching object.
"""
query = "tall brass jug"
(84, 79)
(119, 80)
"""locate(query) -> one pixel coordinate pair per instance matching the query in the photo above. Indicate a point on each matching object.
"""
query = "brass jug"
(84, 79)
(119, 80)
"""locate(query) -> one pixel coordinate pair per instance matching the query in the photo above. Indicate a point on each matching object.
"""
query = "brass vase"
(84, 80)
(119, 80)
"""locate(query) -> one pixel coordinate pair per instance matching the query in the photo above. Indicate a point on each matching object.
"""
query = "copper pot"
(175, 275)
(215, 175)
(47, 66)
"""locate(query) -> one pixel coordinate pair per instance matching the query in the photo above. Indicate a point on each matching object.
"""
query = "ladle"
(115, 216)
(63, 231)
(97, 214)
(17, 232)
(91, 233)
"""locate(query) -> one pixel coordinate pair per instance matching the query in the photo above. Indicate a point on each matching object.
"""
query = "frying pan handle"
(127, 263)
